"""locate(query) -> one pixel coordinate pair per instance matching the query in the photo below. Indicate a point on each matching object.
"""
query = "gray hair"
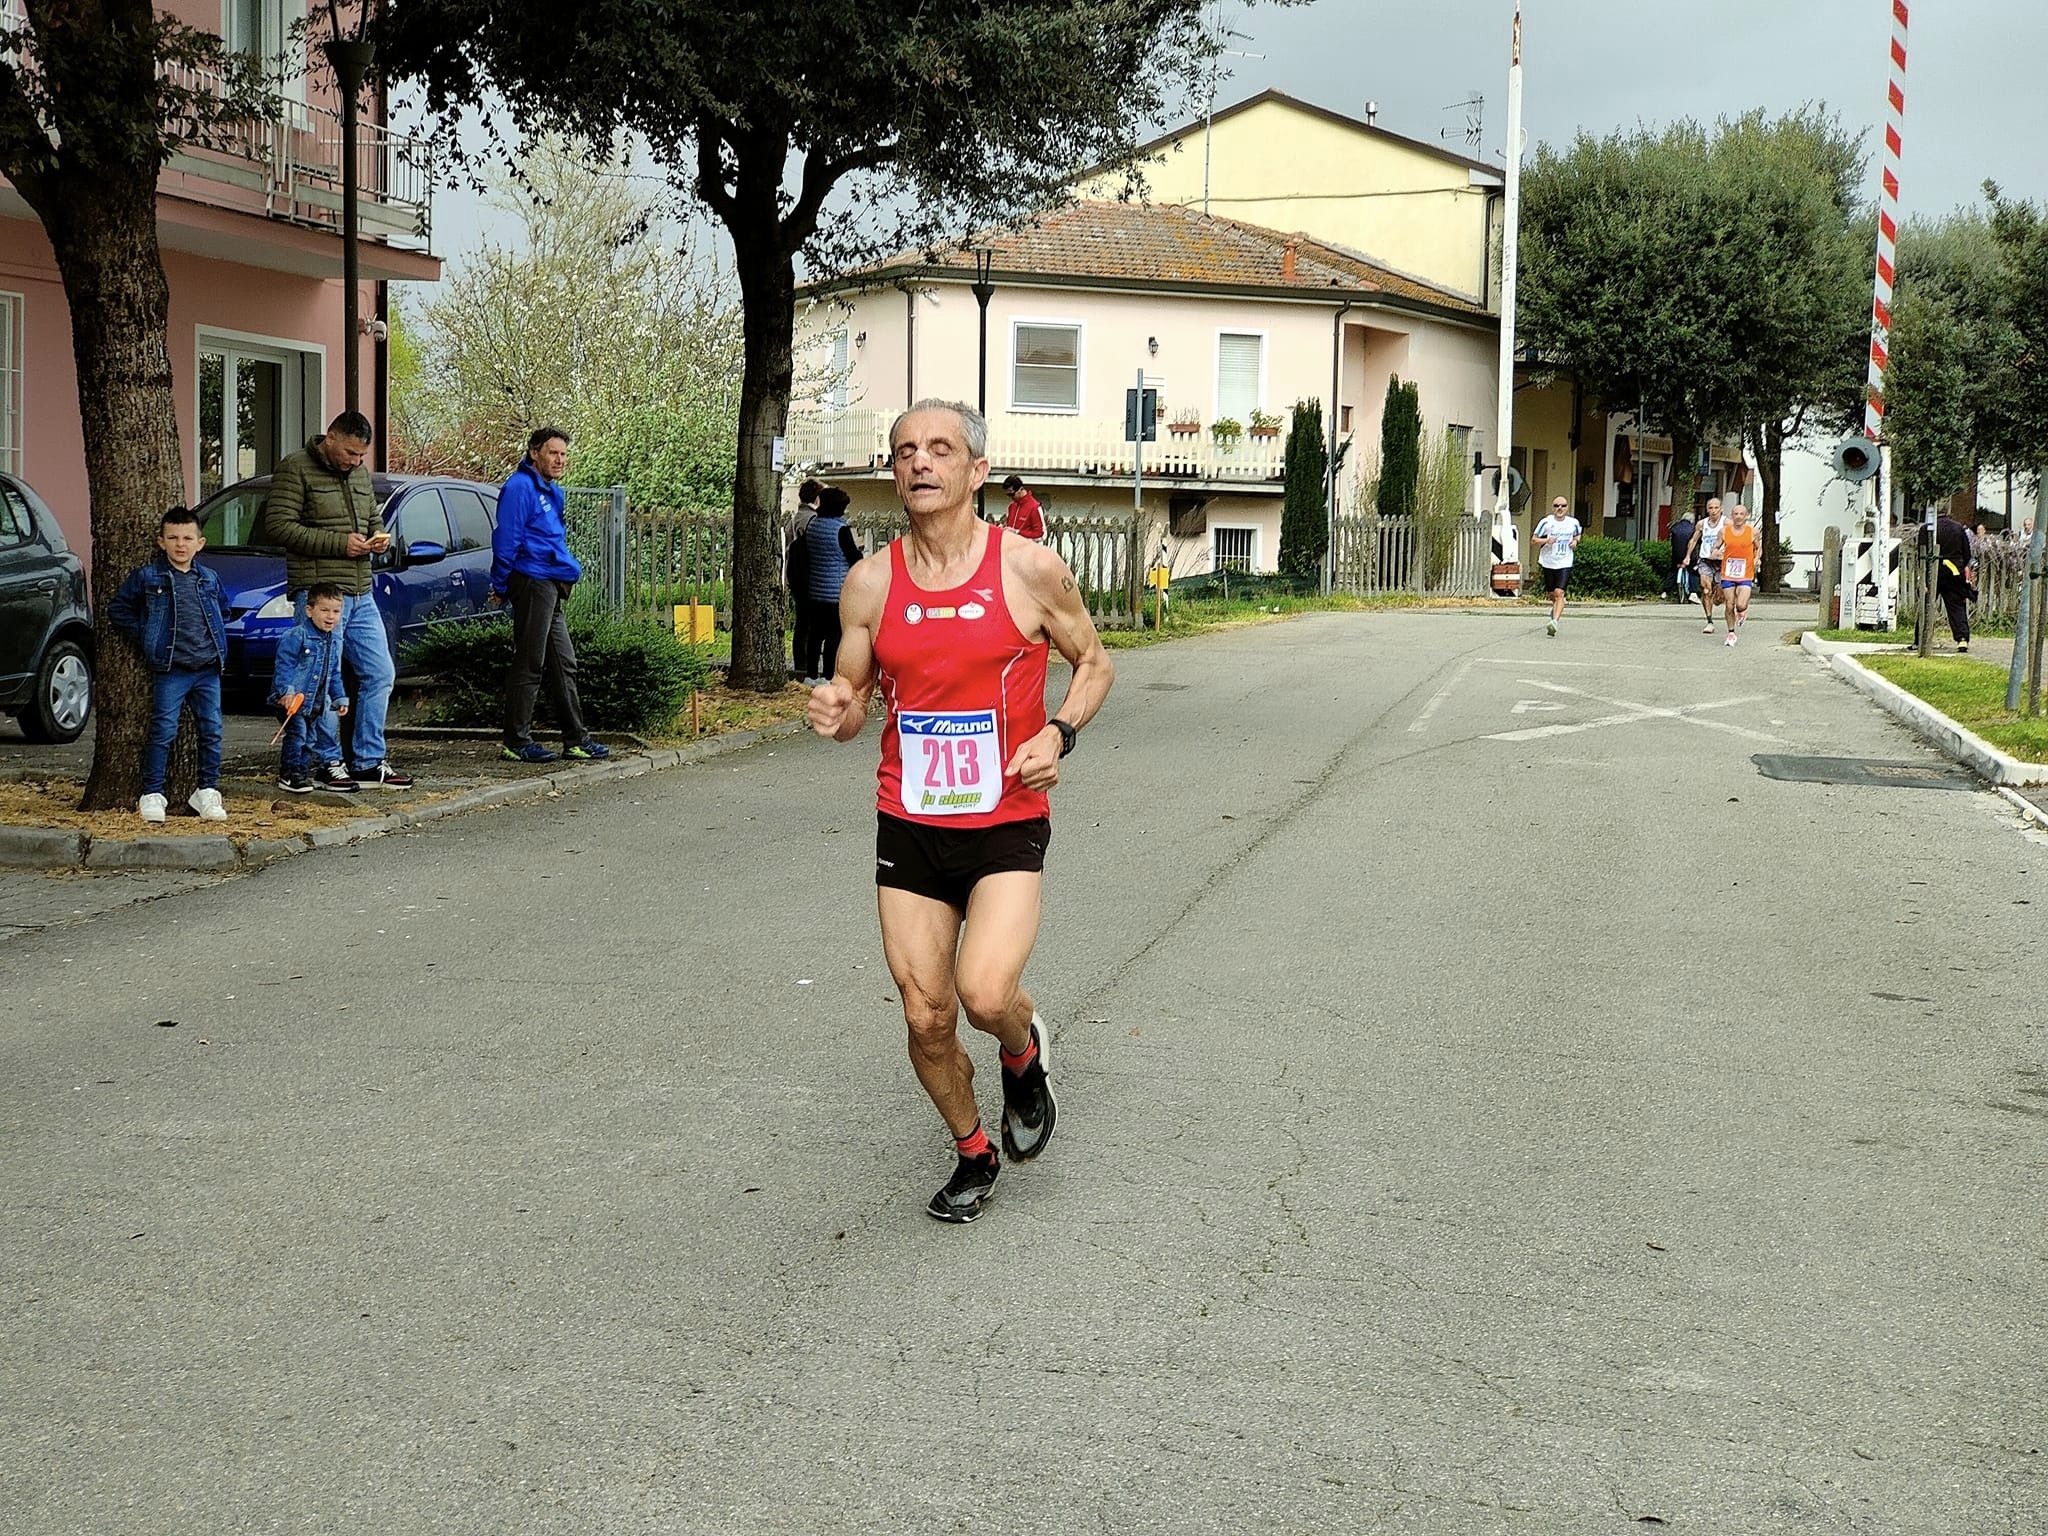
(972, 425)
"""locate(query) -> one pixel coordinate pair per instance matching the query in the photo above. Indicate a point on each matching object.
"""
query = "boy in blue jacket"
(177, 615)
(533, 571)
(308, 668)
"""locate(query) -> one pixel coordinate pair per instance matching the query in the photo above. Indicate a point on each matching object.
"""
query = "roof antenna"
(1474, 108)
(1223, 35)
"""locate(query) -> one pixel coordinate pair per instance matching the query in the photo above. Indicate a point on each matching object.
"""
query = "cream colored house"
(1423, 210)
(1272, 160)
(1230, 323)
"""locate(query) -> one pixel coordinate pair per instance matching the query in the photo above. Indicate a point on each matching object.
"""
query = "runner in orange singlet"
(1738, 568)
(953, 620)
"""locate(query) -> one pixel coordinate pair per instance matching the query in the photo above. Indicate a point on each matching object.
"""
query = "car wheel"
(62, 701)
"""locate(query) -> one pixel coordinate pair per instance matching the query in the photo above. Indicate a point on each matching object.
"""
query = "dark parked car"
(46, 650)
(438, 569)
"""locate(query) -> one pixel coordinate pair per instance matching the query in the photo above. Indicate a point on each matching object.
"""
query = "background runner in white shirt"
(1556, 537)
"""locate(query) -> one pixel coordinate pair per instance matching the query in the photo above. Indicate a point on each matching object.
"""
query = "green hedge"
(1612, 568)
(630, 676)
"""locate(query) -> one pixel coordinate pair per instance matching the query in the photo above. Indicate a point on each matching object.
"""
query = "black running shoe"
(335, 779)
(295, 781)
(973, 1181)
(1028, 1109)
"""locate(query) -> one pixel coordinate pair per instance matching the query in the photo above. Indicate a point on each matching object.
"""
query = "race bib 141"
(952, 761)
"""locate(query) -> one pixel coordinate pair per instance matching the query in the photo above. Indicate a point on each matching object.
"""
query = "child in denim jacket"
(309, 668)
(176, 613)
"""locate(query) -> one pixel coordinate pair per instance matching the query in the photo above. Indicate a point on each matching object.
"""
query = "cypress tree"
(1304, 523)
(1400, 449)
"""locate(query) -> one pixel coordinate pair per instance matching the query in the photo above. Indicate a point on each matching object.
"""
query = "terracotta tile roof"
(1165, 246)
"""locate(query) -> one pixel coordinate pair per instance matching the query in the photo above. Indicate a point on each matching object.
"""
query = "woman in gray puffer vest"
(829, 553)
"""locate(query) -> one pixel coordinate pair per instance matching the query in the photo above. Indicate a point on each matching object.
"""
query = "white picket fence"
(1064, 445)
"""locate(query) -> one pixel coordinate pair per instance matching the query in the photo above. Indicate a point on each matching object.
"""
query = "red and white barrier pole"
(1881, 313)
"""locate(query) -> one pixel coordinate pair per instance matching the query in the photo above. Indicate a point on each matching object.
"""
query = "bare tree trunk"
(767, 276)
(104, 232)
(1770, 473)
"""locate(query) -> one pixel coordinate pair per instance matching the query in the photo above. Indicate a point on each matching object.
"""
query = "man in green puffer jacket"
(325, 513)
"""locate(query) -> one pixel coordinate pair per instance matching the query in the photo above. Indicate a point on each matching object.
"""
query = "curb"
(1813, 645)
(56, 848)
(2023, 805)
(1996, 768)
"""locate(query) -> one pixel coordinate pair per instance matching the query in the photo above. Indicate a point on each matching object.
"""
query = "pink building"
(251, 240)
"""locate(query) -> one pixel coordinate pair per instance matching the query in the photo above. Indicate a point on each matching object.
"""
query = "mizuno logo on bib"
(952, 761)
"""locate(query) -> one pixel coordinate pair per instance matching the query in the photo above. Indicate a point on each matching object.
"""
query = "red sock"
(975, 1145)
(1023, 1058)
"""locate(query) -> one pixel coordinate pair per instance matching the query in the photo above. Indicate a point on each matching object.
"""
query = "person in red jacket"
(1024, 516)
(953, 621)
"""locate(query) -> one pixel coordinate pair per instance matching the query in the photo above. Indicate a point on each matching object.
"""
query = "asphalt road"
(1488, 1103)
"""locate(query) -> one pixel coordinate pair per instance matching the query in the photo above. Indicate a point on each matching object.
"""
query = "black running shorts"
(944, 863)
(1556, 577)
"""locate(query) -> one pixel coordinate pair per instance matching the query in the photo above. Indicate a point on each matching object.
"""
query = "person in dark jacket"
(176, 612)
(305, 683)
(796, 581)
(1955, 581)
(1681, 571)
(323, 509)
(533, 570)
(829, 553)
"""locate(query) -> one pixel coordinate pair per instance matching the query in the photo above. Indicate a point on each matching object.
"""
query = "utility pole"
(1223, 34)
(1507, 555)
(351, 58)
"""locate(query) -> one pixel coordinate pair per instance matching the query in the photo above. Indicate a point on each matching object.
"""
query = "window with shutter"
(1240, 362)
(1045, 367)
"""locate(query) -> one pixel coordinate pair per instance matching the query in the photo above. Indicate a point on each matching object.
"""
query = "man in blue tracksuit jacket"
(533, 571)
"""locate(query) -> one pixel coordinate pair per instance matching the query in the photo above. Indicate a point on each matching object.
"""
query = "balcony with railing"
(1066, 449)
(290, 168)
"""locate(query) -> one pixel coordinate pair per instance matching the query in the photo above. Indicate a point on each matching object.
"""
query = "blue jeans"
(298, 737)
(170, 692)
(367, 652)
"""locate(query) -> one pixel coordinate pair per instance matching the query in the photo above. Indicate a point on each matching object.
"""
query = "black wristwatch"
(1068, 735)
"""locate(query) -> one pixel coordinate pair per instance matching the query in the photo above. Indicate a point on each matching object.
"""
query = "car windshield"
(229, 520)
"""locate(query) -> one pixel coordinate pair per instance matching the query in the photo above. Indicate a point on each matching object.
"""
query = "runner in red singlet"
(954, 620)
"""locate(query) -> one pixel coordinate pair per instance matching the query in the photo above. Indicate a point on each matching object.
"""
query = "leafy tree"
(1804, 335)
(1709, 280)
(95, 96)
(597, 319)
(917, 122)
(1304, 513)
(1400, 449)
(1927, 398)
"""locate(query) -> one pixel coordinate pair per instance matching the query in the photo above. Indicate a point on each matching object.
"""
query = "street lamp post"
(984, 290)
(351, 58)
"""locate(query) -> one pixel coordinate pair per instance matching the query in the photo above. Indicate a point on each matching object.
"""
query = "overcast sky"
(1976, 91)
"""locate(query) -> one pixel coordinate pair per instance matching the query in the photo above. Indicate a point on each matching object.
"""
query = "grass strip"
(1971, 693)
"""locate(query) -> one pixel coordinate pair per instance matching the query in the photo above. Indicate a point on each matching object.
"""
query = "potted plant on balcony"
(1224, 431)
(1186, 422)
(1265, 424)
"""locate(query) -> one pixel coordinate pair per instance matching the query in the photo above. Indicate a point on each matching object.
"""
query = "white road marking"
(1534, 707)
(1635, 712)
(1421, 722)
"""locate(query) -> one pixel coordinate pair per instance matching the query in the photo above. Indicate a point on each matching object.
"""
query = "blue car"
(437, 571)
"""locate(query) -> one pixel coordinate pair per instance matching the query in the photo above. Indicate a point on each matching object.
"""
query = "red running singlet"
(965, 689)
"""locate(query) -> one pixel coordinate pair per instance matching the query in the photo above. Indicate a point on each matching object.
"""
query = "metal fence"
(1105, 552)
(1373, 554)
(646, 561)
(649, 560)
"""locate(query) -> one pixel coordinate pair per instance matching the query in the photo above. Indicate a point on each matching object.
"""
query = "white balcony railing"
(1058, 445)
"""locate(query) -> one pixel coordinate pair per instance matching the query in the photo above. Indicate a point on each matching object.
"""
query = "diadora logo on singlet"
(985, 594)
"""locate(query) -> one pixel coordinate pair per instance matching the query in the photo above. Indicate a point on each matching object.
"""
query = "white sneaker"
(1551, 626)
(207, 803)
(151, 807)
(1731, 637)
